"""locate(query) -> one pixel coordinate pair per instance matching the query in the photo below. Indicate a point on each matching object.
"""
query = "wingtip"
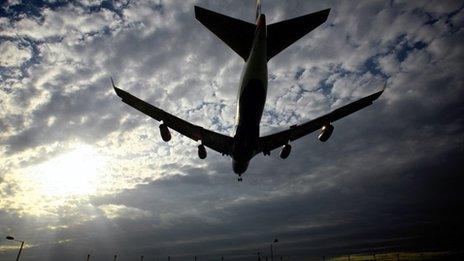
(112, 82)
(377, 94)
(197, 9)
(116, 89)
(325, 12)
(383, 89)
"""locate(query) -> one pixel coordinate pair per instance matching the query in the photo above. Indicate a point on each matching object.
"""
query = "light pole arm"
(20, 249)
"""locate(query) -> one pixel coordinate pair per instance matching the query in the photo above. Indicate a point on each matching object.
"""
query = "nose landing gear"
(239, 178)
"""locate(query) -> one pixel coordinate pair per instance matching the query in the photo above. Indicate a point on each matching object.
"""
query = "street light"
(272, 254)
(20, 248)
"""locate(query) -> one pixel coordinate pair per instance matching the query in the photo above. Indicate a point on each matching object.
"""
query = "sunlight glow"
(62, 184)
(70, 174)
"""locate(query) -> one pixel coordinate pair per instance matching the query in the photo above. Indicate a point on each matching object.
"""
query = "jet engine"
(326, 132)
(285, 152)
(165, 133)
(201, 151)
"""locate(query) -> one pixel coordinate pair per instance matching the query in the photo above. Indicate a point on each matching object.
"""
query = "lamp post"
(272, 253)
(20, 248)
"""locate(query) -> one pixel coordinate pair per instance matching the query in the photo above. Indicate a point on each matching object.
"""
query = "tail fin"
(258, 9)
(237, 34)
(282, 34)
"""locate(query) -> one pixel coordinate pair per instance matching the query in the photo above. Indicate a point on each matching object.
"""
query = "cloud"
(112, 211)
(12, 55)
(387, 180)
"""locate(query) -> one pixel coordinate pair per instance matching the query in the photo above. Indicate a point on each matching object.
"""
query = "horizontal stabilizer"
(282, 34)
(237, 34)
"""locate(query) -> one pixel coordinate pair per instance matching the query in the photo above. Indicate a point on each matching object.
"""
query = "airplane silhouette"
(256, 44)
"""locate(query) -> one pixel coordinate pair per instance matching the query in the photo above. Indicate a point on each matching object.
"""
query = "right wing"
(273, 141)
(216, 141)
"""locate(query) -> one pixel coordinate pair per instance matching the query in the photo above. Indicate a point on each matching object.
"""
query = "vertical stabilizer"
(258, 9)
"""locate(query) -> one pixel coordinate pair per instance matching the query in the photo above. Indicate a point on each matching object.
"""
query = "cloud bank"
(388, 180)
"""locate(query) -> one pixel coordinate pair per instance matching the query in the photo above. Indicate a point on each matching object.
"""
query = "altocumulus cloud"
(13, 55)
(388, 180)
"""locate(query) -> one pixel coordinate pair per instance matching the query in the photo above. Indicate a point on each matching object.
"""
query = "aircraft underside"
(251, 106)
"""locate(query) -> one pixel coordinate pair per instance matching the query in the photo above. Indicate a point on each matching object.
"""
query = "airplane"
(256, 43)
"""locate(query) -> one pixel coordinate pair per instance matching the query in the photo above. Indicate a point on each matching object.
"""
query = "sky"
(83, 173)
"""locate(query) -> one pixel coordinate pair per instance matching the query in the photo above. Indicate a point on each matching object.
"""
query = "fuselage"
(250, 100)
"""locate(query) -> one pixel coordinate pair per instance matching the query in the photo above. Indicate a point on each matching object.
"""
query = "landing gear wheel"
(239, 179)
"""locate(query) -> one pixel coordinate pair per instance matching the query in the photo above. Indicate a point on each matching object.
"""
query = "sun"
(73, 173)
(65, 180)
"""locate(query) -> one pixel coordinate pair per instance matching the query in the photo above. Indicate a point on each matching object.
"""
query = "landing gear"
(239, 178)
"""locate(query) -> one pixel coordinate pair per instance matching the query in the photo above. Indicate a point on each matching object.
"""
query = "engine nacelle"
(326, 132)
(202, 151)
(285, 152)
(165, 133)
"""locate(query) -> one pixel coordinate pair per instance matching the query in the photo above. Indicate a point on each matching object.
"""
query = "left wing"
(273, 141)
(218, 142)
